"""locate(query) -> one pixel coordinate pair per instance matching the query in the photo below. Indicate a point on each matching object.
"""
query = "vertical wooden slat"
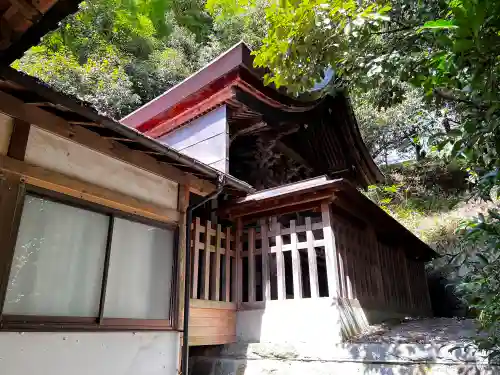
(251, 265)
(266, 285)
(381, 297)
(216, 270)
(227, 286)
(341, 262)
(238, 285)
(330, 251)
(11, 205)
(196, 257)
(297, 271)
(206, 263)
(280, 261)
(183, 202)
(404, 268)
(313, 264)
(348, 255)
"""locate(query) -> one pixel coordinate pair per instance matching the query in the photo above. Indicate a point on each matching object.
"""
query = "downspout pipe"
(187, 272)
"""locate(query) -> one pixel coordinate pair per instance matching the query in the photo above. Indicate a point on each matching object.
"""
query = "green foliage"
(120, 54)
(481, 285)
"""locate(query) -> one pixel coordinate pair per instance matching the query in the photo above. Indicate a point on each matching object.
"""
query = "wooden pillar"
(313, 264)
(251, 265)
(297, 270)
(11, 205)
(228, 278)
(183, 202)
(217, 265)
(266, 285)
(206, 262)
(330, 251)
(195, 248)
(280, 260)
(238, 285)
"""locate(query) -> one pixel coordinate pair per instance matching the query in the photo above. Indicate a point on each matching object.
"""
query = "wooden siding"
(212, 322)
(212, 317)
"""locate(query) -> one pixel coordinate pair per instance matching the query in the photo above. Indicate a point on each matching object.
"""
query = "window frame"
(98, 323)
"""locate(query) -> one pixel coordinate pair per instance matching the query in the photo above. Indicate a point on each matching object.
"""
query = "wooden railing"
(279, 261)
(213, 262)
(212, 314)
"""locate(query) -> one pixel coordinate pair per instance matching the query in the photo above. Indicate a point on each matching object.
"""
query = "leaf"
(438, 25)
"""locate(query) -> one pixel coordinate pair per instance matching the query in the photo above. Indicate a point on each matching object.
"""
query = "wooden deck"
(212, 322)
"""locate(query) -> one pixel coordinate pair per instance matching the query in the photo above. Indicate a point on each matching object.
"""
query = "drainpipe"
(187, 272)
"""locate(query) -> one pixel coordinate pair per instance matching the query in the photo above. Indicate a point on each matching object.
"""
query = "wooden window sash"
(56, 323)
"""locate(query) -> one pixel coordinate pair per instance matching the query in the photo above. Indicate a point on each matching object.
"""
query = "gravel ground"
(420, 331)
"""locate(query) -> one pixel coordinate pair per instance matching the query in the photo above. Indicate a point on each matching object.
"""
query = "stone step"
(361, 358)
(228, 366)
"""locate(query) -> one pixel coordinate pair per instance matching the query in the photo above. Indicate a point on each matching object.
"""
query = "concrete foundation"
(326, 320)
(372, 359)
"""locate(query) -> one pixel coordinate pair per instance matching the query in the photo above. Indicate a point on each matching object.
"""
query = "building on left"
(92, 226)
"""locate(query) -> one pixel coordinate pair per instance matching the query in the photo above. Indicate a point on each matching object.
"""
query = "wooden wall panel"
(58, 154)
(212, 323)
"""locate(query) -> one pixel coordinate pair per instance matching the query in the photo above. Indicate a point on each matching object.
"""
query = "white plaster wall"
(5, 132)
(97, 353)
(307, 320)
(205, 138)
(61, 155)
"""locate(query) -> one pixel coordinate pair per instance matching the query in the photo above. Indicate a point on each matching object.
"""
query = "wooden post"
(330, 251)
(11, 205)
(280, 261)
(251, 265)
(349, 272)
(341, 261)
(265, 261)
(206, 263)
(19, 139)
(313, 264)
(227, 294)
(183, 202)
(196, 257)
(217, 268)
(297, 270)
(238, 284)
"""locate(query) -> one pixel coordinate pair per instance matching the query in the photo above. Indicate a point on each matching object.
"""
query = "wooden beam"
(57, 125)
(270, 206)
(18, 139)
(54, 181)
(191, 113)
